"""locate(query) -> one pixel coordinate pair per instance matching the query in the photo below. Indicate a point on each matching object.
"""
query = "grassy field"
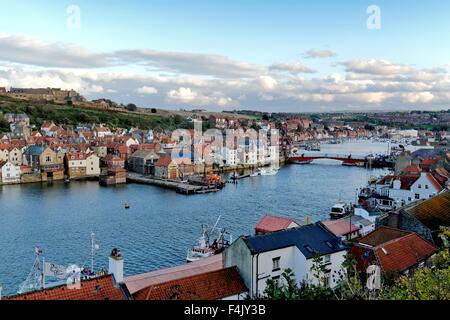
(118, 118)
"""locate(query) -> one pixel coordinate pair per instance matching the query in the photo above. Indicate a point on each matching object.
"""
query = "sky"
(297, 56)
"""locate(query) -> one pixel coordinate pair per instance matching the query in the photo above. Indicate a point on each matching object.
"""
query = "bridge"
(308, 157)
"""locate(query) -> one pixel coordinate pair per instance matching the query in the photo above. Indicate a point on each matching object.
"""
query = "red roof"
(102, 288)
(434, 182)
(392, 249)
(164, 161)
(273, 224)
(407, 181)
(213, 285)
(404, 253)
(412, 169)
(340, 227)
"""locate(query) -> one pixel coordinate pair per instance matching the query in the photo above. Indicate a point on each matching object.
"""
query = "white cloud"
(294, 68)
(191, 63)
(418, 97)
(147, 90)
(267, 83)
(319, 53)
(32, 51)
(376, 67)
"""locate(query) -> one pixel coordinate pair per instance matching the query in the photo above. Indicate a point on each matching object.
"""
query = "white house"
(262, 257)
(92, 165)
(10, 173)
(407, 189)
(230, 156)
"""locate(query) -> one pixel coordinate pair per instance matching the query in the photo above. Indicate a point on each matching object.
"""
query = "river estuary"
(160, 225)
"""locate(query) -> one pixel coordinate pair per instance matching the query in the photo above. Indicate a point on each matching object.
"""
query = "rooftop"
(340, 227)
(144, 280)
(102, 288)
(308, 239)
(273, 223)
(434, 212)
(381, 235)
(212, 285)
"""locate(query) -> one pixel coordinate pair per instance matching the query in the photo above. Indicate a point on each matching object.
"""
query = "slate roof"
(308, 239)
(35, 150)
(213, 285)
(102, 288)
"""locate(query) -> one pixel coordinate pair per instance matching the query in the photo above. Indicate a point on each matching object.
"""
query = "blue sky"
(413, 34)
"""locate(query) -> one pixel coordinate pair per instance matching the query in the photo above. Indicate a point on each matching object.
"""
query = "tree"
(153, 110)
(283, 289)
(131, 107)
(4, 125)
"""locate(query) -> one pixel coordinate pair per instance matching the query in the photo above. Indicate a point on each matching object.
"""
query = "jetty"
(178, 186)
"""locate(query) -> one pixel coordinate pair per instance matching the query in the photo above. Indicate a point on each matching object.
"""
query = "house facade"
(263, 257)
(143, 161)
(76, 164)
(92, 165)
(10, 173)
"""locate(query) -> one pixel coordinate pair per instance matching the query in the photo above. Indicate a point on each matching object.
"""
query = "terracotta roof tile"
(273, 223)
(102, 288)
(213, 285)
(404, 253)
(381, 235)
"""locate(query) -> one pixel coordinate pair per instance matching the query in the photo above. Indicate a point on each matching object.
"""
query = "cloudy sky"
(233, 54)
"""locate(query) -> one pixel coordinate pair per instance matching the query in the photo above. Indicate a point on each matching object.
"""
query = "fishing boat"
(211, 242)
(127, 206)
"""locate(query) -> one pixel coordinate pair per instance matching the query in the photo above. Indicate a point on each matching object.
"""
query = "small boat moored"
(340, 210)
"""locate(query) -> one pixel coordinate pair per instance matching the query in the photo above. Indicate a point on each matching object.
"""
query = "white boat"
(204, 248)
(340, 210)
(269, 172)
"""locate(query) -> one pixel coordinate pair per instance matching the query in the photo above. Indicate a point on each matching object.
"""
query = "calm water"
(161, 225)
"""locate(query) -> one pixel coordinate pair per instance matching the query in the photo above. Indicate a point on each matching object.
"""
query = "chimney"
(116, 265)
(1, 288)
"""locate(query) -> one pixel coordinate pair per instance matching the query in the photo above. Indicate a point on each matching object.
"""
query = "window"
(426, 187)
(327, 258)
(409, 198)
(417, 196)
(276, 264)
(420, 186)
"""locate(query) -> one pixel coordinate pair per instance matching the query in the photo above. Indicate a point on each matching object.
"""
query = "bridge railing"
(329, 155)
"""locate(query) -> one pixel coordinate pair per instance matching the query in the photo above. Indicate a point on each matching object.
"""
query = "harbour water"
(160, 225)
